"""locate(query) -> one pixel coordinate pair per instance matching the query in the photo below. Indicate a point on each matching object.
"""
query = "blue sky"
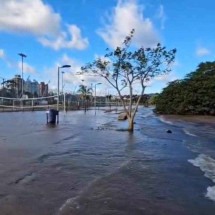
(58, 32)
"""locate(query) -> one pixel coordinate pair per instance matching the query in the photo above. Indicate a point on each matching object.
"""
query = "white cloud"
(128, 15)
(26, 68)
(162, 16)
(39, 19)
(70, 79)
(2, 54)
(158, 83)
(202, 51)
(72, 39)
(166, 77)
(26, 16)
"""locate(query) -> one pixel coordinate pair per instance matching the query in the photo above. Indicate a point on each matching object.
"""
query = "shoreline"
(190, 118)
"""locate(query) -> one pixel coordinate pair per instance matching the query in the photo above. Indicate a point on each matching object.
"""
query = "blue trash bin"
(52, 116)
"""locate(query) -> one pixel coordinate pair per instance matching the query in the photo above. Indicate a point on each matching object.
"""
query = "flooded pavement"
(88, 165)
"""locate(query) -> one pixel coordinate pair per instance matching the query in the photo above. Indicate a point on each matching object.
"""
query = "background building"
(43, 89)
(31, 88)
(17, 84)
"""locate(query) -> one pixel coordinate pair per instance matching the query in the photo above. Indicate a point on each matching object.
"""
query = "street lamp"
(22, 56)
(95, 96)
(58, 83)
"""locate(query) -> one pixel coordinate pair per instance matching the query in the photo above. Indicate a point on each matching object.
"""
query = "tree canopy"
(195, 94)
(84, 91)
(126, 67)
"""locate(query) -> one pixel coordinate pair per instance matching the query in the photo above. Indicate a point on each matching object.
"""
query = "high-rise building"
(43, 89)
(35, 88)
(28, 86)
(18, 84)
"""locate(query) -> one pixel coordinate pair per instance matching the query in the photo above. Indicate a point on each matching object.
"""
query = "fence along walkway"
(16, 104)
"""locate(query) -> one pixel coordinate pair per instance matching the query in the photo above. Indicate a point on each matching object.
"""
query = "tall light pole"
(95, 96)
(64, 99)
(62, 81)
(22, 56)
(58, 83)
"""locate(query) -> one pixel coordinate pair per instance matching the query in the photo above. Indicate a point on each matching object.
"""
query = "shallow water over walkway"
(87, 165)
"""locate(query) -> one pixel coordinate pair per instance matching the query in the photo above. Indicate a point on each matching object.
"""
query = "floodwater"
(88, 165)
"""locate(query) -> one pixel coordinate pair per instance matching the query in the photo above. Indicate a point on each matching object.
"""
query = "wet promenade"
(87, 165)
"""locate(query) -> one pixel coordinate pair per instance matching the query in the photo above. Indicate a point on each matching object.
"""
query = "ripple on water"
(44, 157)
(162, 119)
(207, 165)
(74, 203)
(186, 131)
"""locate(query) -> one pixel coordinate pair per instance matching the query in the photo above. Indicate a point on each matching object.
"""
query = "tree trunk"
(130, 124)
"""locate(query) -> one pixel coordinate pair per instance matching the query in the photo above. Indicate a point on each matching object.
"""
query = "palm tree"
(85, 94)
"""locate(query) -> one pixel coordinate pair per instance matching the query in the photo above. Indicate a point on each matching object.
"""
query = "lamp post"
(62, 81)
(95, 96)
(64, 95)
(58, 83)
(22, 56)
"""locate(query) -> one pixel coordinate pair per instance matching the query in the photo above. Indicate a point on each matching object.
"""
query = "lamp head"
(65, 66)
(22, 55)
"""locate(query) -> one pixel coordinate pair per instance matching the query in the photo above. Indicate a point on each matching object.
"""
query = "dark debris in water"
(66, 138)
(168, 131)
(25, 178)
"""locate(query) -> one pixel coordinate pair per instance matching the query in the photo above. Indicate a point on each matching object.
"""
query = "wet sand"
(190, 118)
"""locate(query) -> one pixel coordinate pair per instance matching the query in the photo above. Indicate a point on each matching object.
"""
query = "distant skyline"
(53, 33)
